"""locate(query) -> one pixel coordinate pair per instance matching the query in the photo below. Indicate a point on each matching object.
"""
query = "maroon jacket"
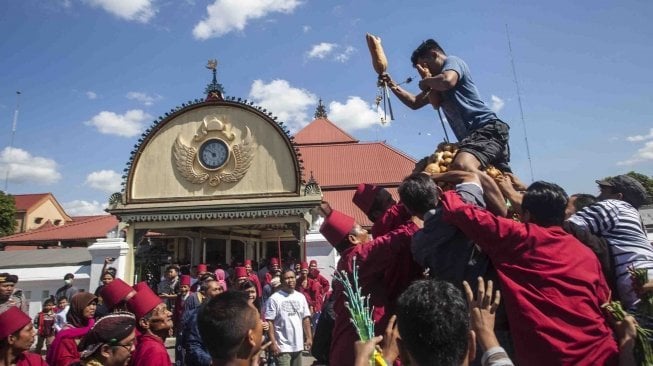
(373, 258)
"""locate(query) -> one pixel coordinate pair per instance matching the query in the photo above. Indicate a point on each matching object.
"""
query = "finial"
(320, 111)
(214, 90)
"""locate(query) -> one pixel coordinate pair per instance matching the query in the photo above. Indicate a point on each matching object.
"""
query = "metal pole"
(13, 134)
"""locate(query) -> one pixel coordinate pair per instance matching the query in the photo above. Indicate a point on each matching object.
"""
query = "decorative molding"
(191, 162)
(190, 216)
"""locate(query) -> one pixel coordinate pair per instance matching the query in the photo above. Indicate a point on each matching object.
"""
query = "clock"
(213, 154)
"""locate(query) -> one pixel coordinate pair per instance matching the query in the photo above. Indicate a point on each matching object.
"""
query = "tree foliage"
(7, 214)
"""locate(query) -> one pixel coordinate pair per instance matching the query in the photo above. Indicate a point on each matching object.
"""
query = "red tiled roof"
(322, 131)
(337, 165)
(341, 200)
(26, 201)
(81, 228)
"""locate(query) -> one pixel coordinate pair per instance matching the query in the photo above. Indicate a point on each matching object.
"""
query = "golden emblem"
(214, 154)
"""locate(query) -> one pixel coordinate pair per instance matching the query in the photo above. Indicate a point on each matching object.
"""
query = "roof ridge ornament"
(312, 187)
(214, 90)
(320, 111)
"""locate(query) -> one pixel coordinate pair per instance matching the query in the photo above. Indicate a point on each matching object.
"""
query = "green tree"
(646, 181)
(7, 214)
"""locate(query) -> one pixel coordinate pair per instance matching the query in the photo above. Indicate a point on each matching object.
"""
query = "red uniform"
(150, 351)
(552, 285)
(373, 258)
(66, 353)
(312, 292)
(403, 270)
(315, 275)
(30, 359)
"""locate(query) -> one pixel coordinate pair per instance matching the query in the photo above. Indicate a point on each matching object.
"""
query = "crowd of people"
(466, 269)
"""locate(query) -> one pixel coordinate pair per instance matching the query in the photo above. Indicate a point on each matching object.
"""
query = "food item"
(439, 161)
(642, 351)
(493, 172)
(379, 61)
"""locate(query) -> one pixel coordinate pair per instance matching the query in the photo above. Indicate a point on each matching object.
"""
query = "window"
(38, 220)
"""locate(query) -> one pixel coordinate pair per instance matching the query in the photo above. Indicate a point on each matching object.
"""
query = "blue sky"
(94, 73)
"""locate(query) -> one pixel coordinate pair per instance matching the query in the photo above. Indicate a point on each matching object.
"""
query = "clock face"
(213, 154)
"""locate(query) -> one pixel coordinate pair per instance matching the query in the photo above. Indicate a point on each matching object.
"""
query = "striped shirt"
(620, 225)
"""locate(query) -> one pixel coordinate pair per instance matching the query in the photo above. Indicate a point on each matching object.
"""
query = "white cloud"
(91, 95)
(321, 50)
(306, 28)
(84, 208)
(104, 180)
(127, 125)
(355, 114)
(225, 16)
(638, 138)
(288, 103)
(325, 49)
(143, 97)
(497, 103)
(23, 167)
(344, 55)
(643, 154)
(136, 10)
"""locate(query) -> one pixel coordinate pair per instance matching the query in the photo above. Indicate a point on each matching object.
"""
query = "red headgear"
(12, 320)
(201, 268)
(141, 285)
(364, 196)
(248, 262)
(274, 261)
(240, 272)
(115, 292)
(313, 262)
(303, 265)
(143, 302)
(185, 280)
(336, 227)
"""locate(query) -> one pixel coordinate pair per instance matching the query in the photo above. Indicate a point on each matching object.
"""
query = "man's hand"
(308, 343)
(517, 184)
(108, 260)
(254, 361)
(423, 71)
(390, 346)
(387, 80)
(482, 310)
(274, 347)
(266, 325)
(505, 185)
(365, 350)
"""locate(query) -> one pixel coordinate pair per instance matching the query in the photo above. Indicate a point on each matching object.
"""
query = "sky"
(94, 74)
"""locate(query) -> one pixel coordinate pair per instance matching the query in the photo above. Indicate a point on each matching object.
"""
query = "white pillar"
(111, 247)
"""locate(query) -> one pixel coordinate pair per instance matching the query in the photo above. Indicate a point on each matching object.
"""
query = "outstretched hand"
(365, 350)
(482, 310)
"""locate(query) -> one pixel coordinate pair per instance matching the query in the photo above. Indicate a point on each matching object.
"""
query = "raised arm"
(493, 234)
(411, 101)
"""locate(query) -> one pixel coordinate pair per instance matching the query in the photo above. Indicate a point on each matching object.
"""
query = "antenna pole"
(13, 134)
(521, 108)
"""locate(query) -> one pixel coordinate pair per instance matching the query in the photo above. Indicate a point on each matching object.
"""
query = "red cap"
(143, 302)
(115, 292)
(248, 262)
(11, 321)
(202, 268)
(274, 261)
(185, 280)
(364, 196)
(303, 265)
(313, 262)
(141, 285)
(240, 272)
(336, 227)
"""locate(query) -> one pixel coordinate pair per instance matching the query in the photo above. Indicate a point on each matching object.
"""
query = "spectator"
(16, 337)
(79, 320)
(110, 342)
(154, 322)
(44, 324)
(10, 296)
(168, 289)
(194, 351)
(67, 290)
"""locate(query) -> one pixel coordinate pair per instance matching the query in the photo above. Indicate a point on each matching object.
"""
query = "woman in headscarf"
(63, 351)
(220, 275)
(110, 342)
(16, 337)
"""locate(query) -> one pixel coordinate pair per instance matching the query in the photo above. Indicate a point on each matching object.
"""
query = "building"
(33, 211)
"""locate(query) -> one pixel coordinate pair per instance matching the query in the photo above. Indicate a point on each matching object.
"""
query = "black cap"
(630, 188)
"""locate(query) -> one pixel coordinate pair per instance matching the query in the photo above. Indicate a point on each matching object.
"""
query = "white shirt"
(287, 311)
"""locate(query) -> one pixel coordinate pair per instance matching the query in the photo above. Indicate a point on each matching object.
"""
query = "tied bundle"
(643, 352)
(359, 310)
(380, 64)
(639, 276)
